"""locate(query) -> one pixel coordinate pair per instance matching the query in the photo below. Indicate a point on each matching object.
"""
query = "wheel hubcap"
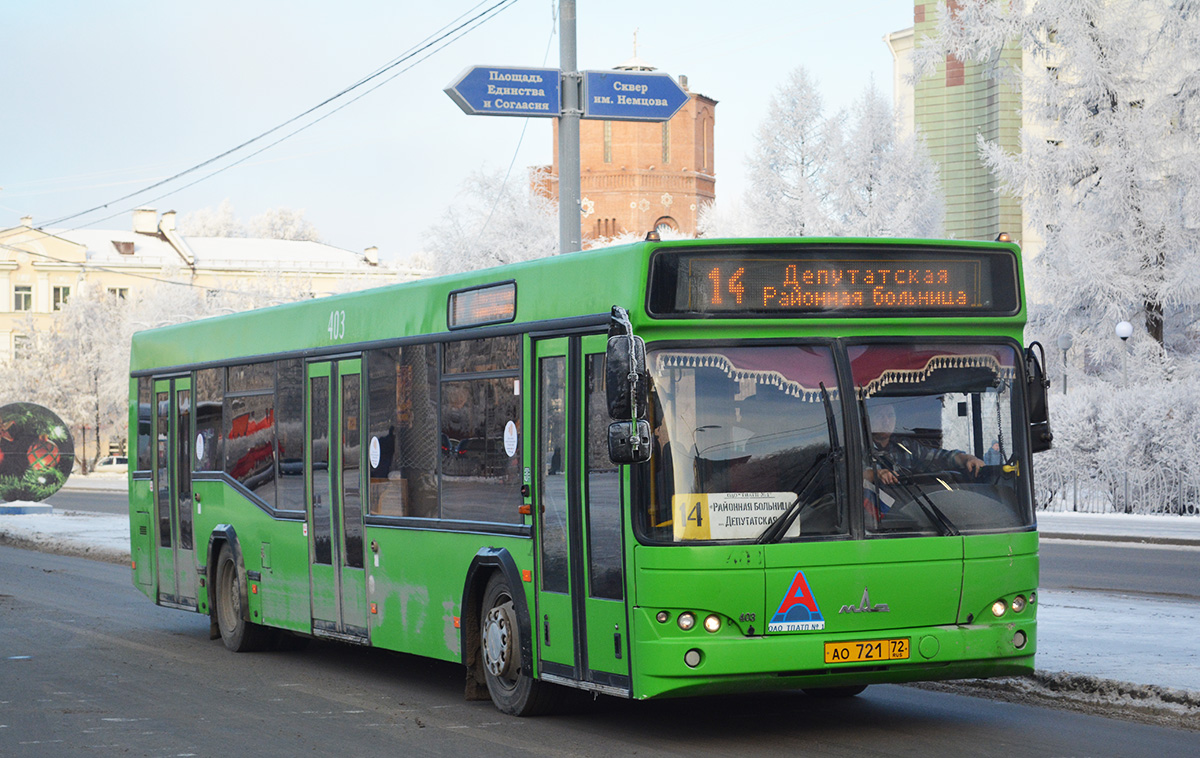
(498, 637)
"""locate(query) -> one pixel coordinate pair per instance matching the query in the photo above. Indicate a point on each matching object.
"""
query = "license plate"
(895, 649)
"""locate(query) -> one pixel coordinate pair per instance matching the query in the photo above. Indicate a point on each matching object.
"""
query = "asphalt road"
(1158, 570)
(88, 666)
(94, 501)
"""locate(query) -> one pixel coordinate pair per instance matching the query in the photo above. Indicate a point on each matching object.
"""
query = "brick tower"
(636, 176)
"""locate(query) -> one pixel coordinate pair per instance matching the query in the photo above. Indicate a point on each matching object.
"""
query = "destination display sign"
(833, 280)
(508, 91)
(729, 515)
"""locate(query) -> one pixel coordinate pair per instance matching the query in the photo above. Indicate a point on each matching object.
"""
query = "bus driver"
(890, 454)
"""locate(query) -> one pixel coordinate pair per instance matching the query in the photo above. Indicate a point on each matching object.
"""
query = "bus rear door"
(334, 496)
(176, 555)
(580, 622)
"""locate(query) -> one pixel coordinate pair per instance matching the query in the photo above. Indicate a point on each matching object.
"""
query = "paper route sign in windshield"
(729, 515)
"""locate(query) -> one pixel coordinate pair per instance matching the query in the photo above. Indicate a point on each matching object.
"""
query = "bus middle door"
(334, 495)
(581, 620)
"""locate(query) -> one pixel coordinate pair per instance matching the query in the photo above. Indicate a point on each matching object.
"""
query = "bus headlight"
(1018, 603)
(712, 623)
(999, 607)
(663, 617)
(687, 620)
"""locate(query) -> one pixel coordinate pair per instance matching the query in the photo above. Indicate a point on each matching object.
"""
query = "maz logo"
(865, 606)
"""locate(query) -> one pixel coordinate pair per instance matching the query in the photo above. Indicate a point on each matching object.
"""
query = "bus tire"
(238, 634)
(512, 689)
(835, 692)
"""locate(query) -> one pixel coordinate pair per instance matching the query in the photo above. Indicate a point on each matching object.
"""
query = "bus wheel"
(238, 634)
(835, 691)
(512, 689)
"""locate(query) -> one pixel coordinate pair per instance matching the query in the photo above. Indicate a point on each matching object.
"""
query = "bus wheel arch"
(228, 598)
(494, 602)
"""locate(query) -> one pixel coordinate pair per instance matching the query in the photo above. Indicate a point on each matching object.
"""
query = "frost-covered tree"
(812, 173)
(282, 224)
(882, 185)
(493, 223)
(787, 168)
(212, 222)
(1109, 166)
(79, 368)
(277, 223)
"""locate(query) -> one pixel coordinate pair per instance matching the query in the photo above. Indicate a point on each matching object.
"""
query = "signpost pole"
(568, 133)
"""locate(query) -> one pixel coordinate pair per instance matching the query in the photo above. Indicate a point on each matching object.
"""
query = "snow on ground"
(1130, 639)
(94, 535)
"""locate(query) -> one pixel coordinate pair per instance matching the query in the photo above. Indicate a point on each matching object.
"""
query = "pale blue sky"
(103, 98)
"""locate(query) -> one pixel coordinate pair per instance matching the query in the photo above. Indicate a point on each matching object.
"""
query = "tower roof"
(634, 64)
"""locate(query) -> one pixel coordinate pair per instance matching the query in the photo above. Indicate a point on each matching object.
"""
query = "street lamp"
(1064, 343)
(1125, 331)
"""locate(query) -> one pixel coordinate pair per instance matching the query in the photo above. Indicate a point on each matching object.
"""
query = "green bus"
(661, 469)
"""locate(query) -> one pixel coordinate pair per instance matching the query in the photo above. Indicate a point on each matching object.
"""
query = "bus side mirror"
(1036, 390)
(625, 378)
(629, 441)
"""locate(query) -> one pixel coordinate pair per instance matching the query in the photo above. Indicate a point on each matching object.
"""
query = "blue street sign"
(508, 91)
(631, 96)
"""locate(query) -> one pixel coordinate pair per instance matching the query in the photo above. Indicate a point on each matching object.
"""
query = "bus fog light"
(692, 658)
(663, 617)
(687, 621)
(1019, 640)
(712, 623)
(998, 608)
(1018, 603)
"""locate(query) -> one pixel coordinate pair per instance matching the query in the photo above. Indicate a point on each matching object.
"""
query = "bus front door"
(175, 565)
(581, 622)
(334, 499)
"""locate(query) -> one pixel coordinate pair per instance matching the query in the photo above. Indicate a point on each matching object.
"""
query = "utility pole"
(568, 133)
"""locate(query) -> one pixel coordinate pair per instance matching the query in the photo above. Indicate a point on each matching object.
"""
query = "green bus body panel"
(938, 590)
(282, 596)
(142, 536)
(998, 566)
(419, 586)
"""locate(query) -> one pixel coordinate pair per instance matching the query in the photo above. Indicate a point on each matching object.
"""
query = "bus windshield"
(748, 442)
(741, 438)
(939, 453)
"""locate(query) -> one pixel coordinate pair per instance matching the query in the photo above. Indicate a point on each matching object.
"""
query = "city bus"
(670, 468)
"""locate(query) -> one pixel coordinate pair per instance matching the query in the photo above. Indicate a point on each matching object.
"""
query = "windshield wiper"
(775, 531)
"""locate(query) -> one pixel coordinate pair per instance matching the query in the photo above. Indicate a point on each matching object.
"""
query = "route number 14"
(337, 325)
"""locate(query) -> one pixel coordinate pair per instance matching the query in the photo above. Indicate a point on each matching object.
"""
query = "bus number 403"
(337, 325)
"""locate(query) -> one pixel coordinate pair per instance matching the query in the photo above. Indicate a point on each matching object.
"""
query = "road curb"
(1133, 539)
(75, 550)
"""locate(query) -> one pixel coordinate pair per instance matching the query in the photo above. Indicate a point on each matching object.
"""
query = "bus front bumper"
(668, 662)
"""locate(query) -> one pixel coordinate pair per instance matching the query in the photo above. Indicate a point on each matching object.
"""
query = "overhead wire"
(437, 37)
(460, 31)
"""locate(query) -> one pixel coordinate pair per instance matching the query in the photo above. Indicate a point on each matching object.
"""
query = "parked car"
(113, 464)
